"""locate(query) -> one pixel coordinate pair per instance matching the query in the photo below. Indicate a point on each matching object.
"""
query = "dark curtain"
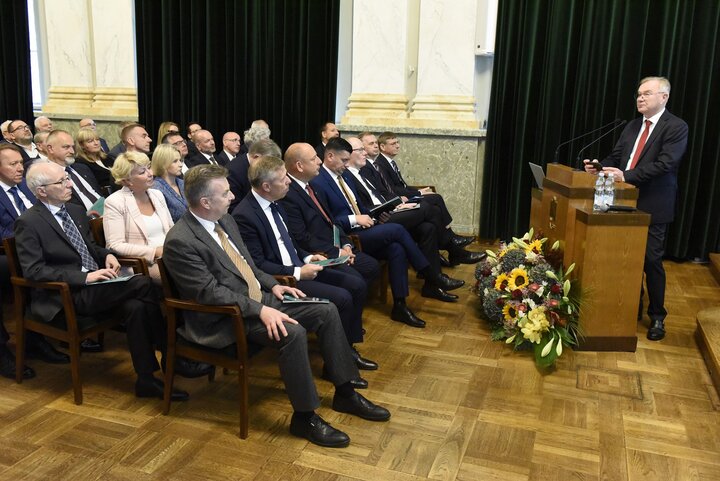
(565, 67)
(226, 63)
(15, 80)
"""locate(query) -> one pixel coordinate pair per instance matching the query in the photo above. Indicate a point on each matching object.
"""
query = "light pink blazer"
(124, 226)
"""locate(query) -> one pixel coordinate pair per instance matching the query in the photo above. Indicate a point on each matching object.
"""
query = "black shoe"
(317, 431)
(154, 387)
(656, 331)
(461, 240)
(363, 363)
(447, 283)
(401, 313)
(429, 290)
(7, 365)
(444, 262)
(358, 383)
(43, 350)
(87, 345)
(360, 406)
(466, 257)
(191, 369)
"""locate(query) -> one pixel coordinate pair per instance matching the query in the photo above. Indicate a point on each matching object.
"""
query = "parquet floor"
(464, 408)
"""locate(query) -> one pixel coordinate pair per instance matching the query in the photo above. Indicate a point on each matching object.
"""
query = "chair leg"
(74, 346)
(19, 351)
(243, 386)
(169, 377)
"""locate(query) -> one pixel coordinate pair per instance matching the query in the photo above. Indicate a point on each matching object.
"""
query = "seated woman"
(167, 167)
(89, 152)
(136, 217)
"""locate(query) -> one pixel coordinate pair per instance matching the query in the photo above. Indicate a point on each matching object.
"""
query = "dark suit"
(655, 176)
(344, 286)
(197, 159)
(83, 171)
(205, 273)
(320, 150)
(46, 254)
(223, 158)
(391, 242)
(238, 179)
(104, 145)
(102, 176)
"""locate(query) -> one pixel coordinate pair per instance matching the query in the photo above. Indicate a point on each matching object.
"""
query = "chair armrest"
(289, 281)
(227, 309)
(55, 286)
(418, 187)
(138, 264)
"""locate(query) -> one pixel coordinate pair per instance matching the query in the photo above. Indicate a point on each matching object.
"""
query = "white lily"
(548, 346)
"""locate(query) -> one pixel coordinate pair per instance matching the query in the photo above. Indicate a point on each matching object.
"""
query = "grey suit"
(204, 272)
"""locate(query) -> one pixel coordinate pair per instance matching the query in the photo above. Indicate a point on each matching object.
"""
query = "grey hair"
(664, 83)
(37, 177)
(253, 134)
(265, 147)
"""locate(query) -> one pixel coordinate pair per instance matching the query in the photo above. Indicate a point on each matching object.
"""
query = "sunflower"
(535, 246)
(509, 312)
(501, 281)
(518, 279)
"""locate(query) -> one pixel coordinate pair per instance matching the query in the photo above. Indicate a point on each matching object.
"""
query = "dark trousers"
(655, 272)
(139, 307)
(322, 319)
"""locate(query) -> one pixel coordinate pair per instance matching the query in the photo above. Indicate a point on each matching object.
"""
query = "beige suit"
(124, 225)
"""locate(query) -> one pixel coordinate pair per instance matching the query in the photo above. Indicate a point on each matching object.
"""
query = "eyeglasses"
(20, 127)
(63, 181)
(179, 143)
(645, 95)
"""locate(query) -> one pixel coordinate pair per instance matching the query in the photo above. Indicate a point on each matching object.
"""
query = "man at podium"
(648, 156)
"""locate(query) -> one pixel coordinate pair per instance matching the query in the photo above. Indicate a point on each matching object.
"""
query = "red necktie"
(641, 145)
(311, 193)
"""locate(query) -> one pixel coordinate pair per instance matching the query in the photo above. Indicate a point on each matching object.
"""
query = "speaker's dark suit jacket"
(655, 174)
(8, 214)
(204, 272)
(238, 179)
(344, 286)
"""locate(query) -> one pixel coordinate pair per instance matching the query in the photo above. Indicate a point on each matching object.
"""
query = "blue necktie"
(72, 232)
(285, 236)
(18, 201)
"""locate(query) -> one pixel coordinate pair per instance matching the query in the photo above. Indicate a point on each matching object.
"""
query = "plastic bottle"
(609, 190)
(599, 200)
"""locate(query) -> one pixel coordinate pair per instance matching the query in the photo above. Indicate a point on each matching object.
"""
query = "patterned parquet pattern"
(464, 408)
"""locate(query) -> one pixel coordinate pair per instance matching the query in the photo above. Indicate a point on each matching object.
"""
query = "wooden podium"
(608, 250)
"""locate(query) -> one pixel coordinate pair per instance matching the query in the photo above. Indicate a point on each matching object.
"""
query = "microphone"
(555, 159)
(596, 140)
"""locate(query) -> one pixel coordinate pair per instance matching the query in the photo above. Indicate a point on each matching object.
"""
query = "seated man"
(238, 168)
(208, 260)
(54, 244)
(264, 230)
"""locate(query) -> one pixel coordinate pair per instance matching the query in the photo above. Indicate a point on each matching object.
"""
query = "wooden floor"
(463, 408)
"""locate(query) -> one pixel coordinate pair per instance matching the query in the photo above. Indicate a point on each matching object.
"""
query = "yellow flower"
(518, 279)
(509, 312)
(535, 246)
(535, 324)
(538, 316)
(500, 280)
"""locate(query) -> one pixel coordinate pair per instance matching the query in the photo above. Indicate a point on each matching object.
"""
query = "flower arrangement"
(528, 298)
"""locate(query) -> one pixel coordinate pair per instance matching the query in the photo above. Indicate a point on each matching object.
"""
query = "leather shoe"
(429, 290)
(467, 257)
(656, 331)
(358, 405)
(358, 383)
(154, 387)
(191, 369)
(7, 365)
(87, 345)
(443, 261)
(319, 432)
(363, 363)
(461, 240)
(447, 283)
(43, 350)
(401, 313)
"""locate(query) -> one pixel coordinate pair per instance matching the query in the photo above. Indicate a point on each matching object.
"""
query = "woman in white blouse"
(136, 217)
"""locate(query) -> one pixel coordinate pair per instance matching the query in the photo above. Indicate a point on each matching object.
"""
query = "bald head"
(231, 142)
(87, 124)
(204, 142)
(302, 162)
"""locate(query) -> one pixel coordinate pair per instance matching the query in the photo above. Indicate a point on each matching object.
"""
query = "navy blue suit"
(655, 176)
(238, 179)
(391, 242)
(313, 233)
(344, 286)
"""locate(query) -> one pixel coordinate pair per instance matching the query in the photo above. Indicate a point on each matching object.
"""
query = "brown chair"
(71, 329)
(175, 306)
(382, 282)
(96, 227)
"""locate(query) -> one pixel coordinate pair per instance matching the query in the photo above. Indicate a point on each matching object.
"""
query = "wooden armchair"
(175, 306)
(382, 281)
(96, 227)
(69, 327)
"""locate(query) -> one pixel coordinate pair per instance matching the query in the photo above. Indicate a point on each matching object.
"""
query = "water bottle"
(609, 190)
(599, 200)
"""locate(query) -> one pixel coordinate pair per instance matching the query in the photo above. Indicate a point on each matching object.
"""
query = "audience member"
(327, 131)
(192, 129)
(165, 128)
(4, 130)
(89, 123)
(40, 138)
(209, 262)
(259, 130)
(54, 244)
(238, 168)
(167, 167)
(89, 152)
(84, 189)
(231, 148)
(180, 144)
(120, 147)
(20, 135)
(43, 124)
(262, 224)
(205, 144)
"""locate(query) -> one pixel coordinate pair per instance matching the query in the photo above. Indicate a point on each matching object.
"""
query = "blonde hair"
(125, 163)
(84, 135)
(163, 156)
(164, 129)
